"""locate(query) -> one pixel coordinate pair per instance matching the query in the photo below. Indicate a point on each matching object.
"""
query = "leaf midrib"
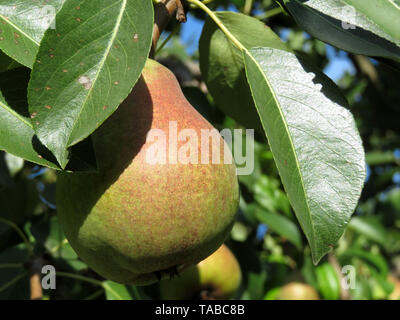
(290, 140)
(101, 64)
(20, 30)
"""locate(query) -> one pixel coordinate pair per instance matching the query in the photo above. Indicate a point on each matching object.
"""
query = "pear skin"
(298, 291)
(138, 220)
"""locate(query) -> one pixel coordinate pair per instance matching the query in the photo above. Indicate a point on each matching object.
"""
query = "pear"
(297, 291)
(217, 277)
(395, 294)
(144, 215)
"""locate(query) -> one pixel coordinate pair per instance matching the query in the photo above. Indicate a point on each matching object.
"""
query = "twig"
(248, 5)
(180, 12)
(14, 280)
(162, 45)
(34, 279)
(36, 287)
(79, 277)
(344, 293)
(366, 68)
(20, 233)
(219, 23)
(163, 11)
(271, 13)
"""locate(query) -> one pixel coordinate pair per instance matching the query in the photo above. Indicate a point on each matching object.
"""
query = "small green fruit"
(217, 277)
(297, 291)
(135, 221)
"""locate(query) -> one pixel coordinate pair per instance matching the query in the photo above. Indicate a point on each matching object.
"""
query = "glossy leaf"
(222, 65)
(23, 24)
(86, 68)
(16, 131)
(314, 140)
(366, 27)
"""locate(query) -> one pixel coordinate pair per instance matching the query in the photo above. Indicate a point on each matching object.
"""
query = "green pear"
(297, 291)
(140, 218)
(217, 277)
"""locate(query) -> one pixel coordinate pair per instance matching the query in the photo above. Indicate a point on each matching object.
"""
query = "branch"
(163, 11)
(364, 66)
(180, 13)
(34, 279)
(344, 293)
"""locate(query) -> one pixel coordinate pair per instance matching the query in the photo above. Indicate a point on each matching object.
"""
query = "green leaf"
(370, 228)
(16, 132)
(373, 259)
(116, 291)
(23, 24)
(222, 66)
(86, 68)
(377, 24)
(328, 281)
(314, 140)
(281, 225)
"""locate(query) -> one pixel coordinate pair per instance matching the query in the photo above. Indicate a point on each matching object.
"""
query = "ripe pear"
(395, 294)
(217, 277)
(138, 220)
(297, 291)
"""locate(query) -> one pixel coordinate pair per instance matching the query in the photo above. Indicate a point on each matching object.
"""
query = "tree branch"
(34, 279)
(344, 293)
(163, 11)
(180, 13)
